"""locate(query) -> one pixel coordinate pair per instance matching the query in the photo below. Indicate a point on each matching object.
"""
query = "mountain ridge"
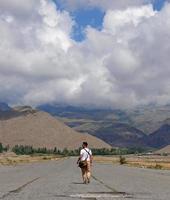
(145, 119)
(40, 129)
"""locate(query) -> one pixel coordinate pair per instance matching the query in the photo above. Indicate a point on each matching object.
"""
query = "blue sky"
(93, 17)
(158, 4)
(85, 17)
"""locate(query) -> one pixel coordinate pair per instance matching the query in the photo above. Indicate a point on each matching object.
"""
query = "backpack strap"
(87, 152)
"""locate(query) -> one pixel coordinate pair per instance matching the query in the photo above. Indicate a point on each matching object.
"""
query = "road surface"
(61, 180)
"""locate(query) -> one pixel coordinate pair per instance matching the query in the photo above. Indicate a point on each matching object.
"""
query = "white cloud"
(114, 20)
(15, 6)
(124, 64)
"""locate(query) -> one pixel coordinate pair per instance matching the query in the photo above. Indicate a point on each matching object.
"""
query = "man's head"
(85, 144)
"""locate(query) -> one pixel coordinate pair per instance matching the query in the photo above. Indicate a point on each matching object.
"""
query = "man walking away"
(86, 160)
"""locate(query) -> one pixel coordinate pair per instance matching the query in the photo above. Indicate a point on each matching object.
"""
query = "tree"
(65, 152)
(1, 148)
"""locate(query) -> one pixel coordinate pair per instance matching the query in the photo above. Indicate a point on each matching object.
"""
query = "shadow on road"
(77, 183)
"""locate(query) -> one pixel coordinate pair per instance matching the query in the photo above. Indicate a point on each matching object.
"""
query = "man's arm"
(79, 158)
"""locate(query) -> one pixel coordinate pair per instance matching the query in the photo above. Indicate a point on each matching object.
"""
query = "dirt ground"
(148, 161)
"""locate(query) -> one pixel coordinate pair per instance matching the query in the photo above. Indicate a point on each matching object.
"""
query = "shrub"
(3, 148)
(157, 166)
(122, 160)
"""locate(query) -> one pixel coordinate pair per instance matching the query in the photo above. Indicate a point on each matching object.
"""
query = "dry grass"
(155, 162)
(106, 159)
(151, 161)
(12, 159)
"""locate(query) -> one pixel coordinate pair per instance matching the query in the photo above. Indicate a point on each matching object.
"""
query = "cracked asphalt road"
(61, 180)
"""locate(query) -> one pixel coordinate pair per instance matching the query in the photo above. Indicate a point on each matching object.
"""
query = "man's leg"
(88, 171)
(84, 174)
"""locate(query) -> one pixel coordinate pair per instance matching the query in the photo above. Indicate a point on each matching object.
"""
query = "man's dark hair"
(85, 144)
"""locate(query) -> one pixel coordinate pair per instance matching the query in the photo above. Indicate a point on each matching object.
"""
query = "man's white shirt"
(85, 155)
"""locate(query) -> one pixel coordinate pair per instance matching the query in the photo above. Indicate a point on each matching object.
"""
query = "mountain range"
(147, 126)
(144, 126)
(24, 125)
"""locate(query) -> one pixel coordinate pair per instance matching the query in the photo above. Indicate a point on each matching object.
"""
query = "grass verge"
(152, 162)
(12, 159)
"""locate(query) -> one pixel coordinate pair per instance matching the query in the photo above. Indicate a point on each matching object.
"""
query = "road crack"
(113, 191)
(19, 189)
(105, 185)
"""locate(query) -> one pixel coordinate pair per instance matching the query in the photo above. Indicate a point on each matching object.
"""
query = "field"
(149, 161)
(12, 159)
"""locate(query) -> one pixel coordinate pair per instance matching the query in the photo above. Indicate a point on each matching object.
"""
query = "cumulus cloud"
(32, 50)
(124, 64)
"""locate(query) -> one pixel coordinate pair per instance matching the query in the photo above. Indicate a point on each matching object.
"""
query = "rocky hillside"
(159, 138)
(142, 126)
(116, 134)
(165, 150)
(40, 129)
